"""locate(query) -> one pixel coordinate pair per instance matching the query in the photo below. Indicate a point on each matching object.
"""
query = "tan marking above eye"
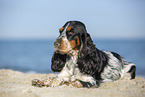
(69, 28)
(61, 29)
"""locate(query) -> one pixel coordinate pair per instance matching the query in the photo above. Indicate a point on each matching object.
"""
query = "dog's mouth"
(63, 51)
(70, 52)
(57, 51)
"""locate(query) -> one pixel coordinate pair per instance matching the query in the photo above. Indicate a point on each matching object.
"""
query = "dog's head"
(72, 37)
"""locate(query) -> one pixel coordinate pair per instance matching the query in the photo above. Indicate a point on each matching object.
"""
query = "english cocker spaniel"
(80, 63)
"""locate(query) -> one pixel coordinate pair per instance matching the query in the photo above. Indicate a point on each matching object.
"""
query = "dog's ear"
(86, 41)
(91, 60)
(58, 61)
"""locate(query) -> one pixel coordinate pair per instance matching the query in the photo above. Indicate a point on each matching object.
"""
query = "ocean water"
(34, 56)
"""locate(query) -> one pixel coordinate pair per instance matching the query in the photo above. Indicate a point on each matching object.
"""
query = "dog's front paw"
(48, 82)
(37, 83)
(56, 82)
(76, 84)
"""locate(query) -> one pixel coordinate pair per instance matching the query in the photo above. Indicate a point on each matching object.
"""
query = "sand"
(17, 84)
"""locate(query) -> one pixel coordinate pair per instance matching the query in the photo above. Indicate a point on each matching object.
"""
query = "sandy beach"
(17, 84)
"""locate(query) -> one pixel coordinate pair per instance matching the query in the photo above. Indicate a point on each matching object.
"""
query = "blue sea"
(34, 56)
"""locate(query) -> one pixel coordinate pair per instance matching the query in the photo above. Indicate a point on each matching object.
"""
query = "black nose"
(56, 44)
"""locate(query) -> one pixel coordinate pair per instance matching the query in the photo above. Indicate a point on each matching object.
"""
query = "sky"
(41, 19)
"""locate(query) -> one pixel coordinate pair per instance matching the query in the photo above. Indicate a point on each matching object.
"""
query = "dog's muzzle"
(56, 44)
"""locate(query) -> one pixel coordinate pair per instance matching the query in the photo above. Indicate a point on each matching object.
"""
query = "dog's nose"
(56, 44)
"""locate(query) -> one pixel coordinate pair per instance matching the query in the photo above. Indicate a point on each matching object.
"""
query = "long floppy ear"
(91, 60)
(87, 56)
(58, 61)
(85, 42)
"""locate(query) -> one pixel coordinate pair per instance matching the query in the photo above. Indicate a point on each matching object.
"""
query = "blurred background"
(28, 29)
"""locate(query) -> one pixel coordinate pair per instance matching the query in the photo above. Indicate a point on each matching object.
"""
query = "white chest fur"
(69, 69)
(71, 72)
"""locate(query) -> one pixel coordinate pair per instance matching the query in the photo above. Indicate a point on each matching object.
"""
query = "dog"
(80, 63)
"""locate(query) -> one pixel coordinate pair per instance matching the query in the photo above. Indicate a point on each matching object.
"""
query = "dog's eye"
(70, 33)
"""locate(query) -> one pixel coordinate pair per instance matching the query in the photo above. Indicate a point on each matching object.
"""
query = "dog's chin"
(62, 51)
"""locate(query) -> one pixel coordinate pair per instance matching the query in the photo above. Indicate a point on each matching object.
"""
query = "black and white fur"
(83, 62)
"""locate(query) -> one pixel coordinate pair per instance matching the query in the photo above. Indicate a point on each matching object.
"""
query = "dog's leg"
(80, 84)
(84, 80)
(76, 84)
(56, 82)
(130, 69)
(46, 82)
(37, 83)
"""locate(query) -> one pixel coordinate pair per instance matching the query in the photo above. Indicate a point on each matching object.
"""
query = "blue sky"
(41, 19)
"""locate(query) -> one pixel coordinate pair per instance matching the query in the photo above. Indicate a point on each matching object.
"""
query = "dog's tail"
(129, 69)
